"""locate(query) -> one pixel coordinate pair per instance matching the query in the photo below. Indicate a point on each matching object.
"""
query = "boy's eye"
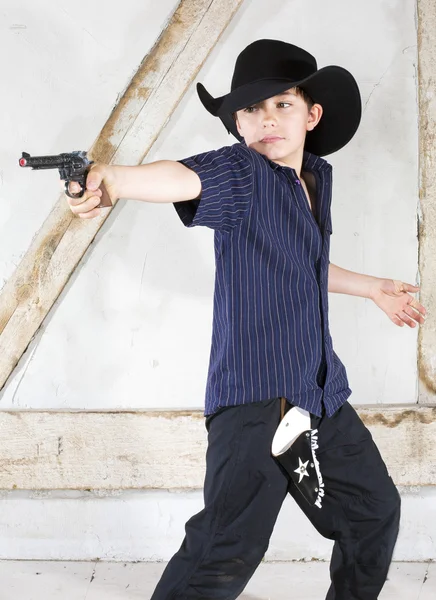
(251, 109)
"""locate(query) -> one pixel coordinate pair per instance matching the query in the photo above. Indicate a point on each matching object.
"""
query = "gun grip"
(105, 199)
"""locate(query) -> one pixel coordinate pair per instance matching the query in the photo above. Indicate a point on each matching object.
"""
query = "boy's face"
(277, 126)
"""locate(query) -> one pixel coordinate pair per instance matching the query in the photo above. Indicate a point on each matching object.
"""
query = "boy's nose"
(269, 118)
(267, 122)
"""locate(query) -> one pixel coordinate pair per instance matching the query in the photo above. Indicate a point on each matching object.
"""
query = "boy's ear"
(316, 114)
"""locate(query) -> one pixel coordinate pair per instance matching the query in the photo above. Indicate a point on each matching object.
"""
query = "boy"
(268, 200)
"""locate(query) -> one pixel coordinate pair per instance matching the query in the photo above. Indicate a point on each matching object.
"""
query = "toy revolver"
(72, 166)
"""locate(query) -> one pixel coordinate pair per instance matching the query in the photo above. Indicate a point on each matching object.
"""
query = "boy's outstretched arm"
(160, 181)
(391, 295)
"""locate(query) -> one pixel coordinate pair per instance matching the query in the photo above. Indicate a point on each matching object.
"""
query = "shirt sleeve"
(227, 182)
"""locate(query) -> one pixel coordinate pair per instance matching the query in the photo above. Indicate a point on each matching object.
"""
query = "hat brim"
(333, 87)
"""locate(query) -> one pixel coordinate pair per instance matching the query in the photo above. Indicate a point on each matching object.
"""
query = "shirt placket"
(323, 278)
(321, 263)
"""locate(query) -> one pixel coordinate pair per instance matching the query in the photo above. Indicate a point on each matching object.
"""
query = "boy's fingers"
(92, 183)
(406, 319)
(74, 188)
(86, 206)
(92, 213)
(397, 321)
(401, 286)
(414, 314)
(417, 306)
(75, 201)
(94, 178)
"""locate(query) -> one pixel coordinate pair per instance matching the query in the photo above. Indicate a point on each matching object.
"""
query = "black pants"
(245, 488)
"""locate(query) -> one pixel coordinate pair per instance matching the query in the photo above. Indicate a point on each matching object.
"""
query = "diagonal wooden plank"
(154, 92)
(427, 195)
(166, 449)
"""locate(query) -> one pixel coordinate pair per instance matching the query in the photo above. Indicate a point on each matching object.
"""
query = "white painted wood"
(43, 450)
(152, 96)
(426, 89)
(166, 450)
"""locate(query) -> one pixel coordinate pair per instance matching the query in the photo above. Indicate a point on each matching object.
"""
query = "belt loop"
(282, 408)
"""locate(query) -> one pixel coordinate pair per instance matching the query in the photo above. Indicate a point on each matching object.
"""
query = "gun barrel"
(56, 161)
(43, 162)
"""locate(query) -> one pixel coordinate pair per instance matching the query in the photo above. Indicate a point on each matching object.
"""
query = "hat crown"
(272, 59)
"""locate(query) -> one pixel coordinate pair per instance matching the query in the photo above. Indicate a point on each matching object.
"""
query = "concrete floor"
(34, 580)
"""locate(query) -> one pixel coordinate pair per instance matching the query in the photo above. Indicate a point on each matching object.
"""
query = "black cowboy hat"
(269, 67)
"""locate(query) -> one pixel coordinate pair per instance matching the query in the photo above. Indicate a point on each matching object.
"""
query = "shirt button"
(298, 182)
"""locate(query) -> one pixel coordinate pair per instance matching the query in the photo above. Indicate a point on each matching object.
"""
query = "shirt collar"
(311, 162)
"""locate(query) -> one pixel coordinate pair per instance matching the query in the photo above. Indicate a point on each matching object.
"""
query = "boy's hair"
(308, 100)
(300, 92)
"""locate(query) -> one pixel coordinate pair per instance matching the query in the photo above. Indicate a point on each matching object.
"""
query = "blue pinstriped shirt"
(270, 333)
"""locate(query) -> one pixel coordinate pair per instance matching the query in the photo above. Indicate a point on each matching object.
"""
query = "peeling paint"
(427, 374)
(425, 416)
(7, 462)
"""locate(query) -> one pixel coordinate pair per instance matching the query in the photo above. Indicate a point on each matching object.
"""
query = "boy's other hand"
(393, 297)
(86, 206)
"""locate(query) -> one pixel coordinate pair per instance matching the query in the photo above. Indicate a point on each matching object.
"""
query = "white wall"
(124, 526)
(132, 328)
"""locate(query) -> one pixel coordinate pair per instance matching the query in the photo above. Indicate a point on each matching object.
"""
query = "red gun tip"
(23, 162)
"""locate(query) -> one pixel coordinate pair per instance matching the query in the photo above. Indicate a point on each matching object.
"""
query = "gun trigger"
(68, 193)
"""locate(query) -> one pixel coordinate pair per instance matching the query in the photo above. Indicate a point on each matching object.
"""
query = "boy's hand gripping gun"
(72, 166)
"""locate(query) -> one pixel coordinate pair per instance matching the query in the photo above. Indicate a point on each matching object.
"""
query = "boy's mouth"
(270, 139)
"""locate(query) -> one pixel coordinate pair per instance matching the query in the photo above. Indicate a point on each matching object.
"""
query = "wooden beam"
(135, 123)
(166, 450)
(427, 195)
